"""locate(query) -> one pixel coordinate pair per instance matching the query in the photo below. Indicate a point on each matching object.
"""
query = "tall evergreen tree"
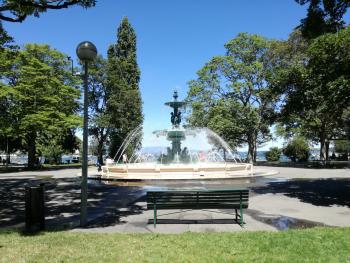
(323, 16)
(99, 118)
(124, 104)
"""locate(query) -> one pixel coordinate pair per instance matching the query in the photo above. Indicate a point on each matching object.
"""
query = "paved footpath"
(302, 173)
(294, 198)
(63, 173)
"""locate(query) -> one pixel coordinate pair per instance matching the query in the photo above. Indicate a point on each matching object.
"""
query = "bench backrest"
(194, 199)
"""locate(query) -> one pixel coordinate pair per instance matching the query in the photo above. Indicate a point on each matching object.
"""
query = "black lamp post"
(86, 52)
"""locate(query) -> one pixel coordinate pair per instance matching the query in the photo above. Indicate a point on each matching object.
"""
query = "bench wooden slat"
(198, 199)
(233, 203)
(192, 206)
(175, 205)
(199, 196)
(194, 192)
(211, 196)
(197, 193)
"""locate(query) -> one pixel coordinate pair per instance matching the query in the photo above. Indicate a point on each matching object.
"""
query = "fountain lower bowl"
(202, 171)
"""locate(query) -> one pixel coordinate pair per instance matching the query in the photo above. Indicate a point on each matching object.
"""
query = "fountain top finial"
(176, 105)
(175, 96)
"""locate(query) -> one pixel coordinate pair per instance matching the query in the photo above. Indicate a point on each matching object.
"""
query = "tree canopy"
(17, 11)
(316, 90)
(323, 16)
(100, 120)
(41, 98)
(231, 94)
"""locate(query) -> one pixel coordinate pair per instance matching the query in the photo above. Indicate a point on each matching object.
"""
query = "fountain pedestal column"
(176, 135)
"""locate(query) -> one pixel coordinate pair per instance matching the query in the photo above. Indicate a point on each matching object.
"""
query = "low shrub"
(273, 155)
(297, 150)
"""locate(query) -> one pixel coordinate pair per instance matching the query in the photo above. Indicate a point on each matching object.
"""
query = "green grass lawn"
(311, 245)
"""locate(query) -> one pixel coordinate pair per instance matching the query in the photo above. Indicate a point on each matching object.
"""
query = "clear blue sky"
(174, 38)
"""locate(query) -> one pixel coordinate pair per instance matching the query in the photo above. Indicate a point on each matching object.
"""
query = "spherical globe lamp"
(86, 51)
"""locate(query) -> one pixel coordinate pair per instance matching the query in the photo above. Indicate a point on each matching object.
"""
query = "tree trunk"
(322, 148)
(100, 152)
(255, 150)
(31, 150)
(8, 160)
(250, 155)
(327, 150)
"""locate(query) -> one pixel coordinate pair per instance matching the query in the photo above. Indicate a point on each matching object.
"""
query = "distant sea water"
(260, 156)
(314, 154)
(23, 159)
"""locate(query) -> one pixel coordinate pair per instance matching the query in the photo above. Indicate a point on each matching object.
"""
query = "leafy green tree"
(94, 149)
(124, 104)
(50, 148)
(346, 123)
(100, 120)
(323, 16)
(273, 154)
(9, 141)
(316, 90)
(17, 11)
(232, 96)
(342, 147)
(43, 97)
(6, 41)
(69, 141)
(224, 118)
(53, 145)
(297, 150)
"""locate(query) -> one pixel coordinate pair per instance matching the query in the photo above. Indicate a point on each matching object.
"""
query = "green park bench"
(198, 199)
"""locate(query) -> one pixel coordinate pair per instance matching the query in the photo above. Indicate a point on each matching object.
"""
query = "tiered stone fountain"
(186, 154)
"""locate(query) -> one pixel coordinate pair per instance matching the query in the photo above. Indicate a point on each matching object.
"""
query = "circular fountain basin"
(200, 171)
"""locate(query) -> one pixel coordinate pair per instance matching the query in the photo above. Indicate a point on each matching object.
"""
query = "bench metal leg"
(155, 217)
(236, 215)
(241, 214)
(242, 218)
